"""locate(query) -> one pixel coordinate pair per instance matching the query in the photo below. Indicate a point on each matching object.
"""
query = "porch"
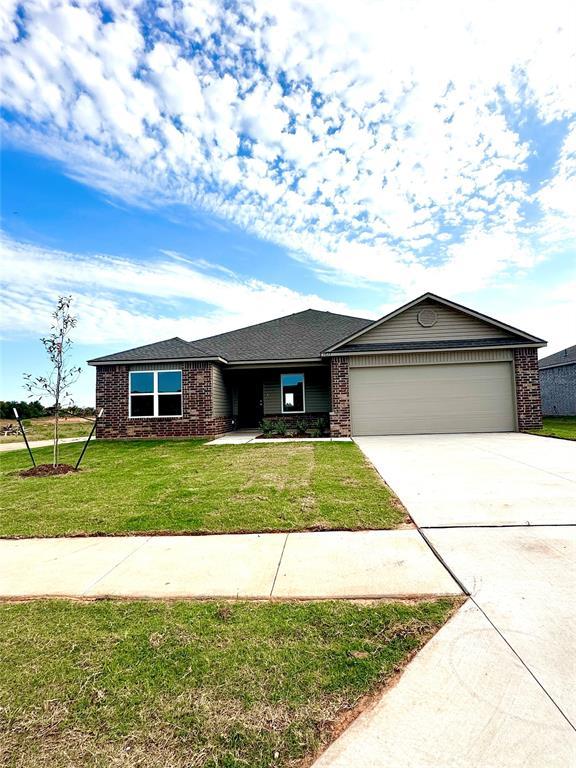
(292, 394)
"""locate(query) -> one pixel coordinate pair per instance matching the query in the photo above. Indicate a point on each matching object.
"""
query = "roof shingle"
(300, 336)
(564, 357)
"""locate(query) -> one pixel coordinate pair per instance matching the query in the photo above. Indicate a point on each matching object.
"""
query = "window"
(155, 393)
(292, 386)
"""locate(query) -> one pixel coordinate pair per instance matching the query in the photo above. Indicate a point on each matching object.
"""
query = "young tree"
(57, 383)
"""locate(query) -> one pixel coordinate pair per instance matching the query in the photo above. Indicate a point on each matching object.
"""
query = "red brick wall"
(197, 419)
(340, 413)
(528, 404)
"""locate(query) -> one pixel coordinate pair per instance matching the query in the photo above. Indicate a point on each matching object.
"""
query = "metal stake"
(99, 415)
(25, 438)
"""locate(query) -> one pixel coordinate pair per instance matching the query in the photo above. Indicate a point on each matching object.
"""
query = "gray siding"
(221, 397)
(431, 358)
(316, 391)
(558, 388)
(451, 324)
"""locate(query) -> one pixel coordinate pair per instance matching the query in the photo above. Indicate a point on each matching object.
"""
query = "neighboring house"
(558, 383)
(431, 366)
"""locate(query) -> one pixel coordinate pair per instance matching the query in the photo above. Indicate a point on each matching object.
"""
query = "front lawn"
(193, 685)
(557, 426)
(185, 486)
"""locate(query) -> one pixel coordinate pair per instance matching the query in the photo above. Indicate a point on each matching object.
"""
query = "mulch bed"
(287, 437)
(44, 470)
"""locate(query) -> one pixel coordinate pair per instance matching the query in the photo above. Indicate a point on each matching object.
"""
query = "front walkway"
(331, 564)
(496, 686)
(253, 436)
(21, 446)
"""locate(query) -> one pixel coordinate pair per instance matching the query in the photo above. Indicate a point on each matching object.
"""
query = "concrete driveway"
(480, 479)
(496, 687)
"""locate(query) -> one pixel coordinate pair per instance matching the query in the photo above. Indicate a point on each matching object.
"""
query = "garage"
(429, 398)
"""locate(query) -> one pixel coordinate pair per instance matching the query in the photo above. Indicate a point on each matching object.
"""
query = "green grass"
(558, 426)
(137, 486)
(193, 685)
(43, 429)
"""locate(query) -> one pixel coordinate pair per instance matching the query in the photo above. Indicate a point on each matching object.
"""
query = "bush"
(301, 426)
(268, 426)
(280, 428)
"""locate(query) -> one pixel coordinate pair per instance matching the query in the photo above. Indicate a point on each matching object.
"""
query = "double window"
(155, 393)
(292, 386)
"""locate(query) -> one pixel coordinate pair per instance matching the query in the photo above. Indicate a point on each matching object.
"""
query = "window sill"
(139, 418)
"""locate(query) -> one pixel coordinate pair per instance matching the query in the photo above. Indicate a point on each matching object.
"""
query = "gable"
(450, 325)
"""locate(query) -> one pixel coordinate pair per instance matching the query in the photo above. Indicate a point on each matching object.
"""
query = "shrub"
(301, 425)
(281, 428)
(268, 426)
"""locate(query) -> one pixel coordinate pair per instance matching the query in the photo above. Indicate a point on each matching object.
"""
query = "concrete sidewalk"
(21, 446)
(332, 564)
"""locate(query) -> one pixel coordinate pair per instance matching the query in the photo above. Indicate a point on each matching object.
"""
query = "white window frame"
(155, 394)
(293, 373)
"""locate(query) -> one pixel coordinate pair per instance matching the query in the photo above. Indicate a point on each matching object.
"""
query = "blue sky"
(188, 168)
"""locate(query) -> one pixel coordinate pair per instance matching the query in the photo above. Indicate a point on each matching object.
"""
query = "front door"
(250, 403)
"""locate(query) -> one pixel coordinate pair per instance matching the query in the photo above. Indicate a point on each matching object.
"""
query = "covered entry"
(432, 398)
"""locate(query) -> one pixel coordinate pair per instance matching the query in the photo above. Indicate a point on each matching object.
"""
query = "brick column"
(340, 413)
(528, 404)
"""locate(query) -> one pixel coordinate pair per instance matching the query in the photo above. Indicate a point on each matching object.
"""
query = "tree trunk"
(56, 428)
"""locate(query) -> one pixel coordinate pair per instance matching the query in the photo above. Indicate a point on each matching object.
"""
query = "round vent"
(427, 317)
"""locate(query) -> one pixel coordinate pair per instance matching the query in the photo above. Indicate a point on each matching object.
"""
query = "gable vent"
(427, 317)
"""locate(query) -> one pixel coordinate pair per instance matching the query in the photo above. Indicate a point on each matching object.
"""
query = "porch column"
(340, 412)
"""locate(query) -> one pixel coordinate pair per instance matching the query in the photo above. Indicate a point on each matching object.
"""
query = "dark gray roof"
(293, 337)
(299, 336)
(169, 349)
(564, 357)
(403, 346)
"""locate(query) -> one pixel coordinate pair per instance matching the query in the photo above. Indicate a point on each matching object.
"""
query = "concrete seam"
(442, 562)
(279, 564)
(497, 525)
(521, 660)
(122, 560)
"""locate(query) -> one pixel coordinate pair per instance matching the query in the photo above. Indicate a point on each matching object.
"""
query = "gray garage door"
(429, 399)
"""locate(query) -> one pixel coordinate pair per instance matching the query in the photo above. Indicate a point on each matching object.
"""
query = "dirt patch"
(45, 470)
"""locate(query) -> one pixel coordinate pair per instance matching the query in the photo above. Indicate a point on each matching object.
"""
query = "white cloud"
(124, 302)
(352, 133)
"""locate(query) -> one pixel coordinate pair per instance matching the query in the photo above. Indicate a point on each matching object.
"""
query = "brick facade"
(197, 398)
(197, 419)
(340, 413)
(527, 377)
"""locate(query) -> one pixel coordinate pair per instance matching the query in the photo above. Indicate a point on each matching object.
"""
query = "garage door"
(429, 399)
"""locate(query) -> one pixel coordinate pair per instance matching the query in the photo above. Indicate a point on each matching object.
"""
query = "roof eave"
(96, 361)
(556, 365)
(276, 361)
(513, 345)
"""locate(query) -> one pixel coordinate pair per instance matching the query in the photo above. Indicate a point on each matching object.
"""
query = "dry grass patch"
(43, 428)
(194, 684)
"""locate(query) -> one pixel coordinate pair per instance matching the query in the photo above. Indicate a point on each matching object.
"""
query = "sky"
(187, 168)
